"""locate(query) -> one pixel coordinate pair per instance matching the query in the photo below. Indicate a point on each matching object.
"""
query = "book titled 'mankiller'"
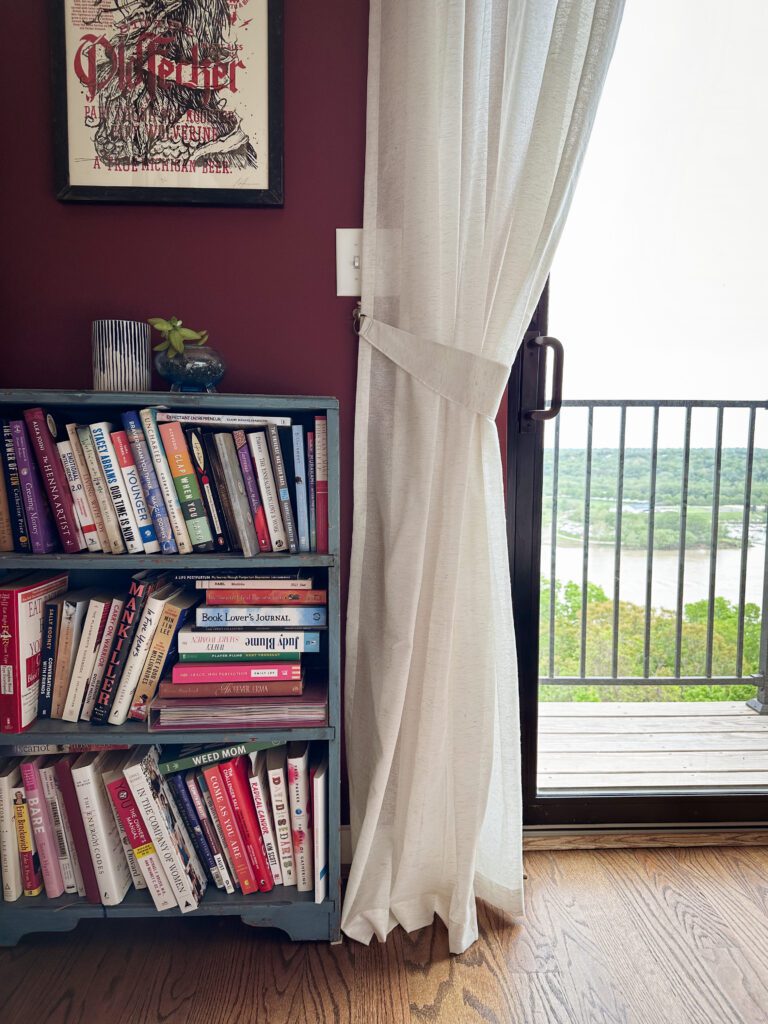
(54, 479)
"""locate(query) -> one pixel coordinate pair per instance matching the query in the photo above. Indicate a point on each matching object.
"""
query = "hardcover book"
(270, 496)
(148, 419)
(252, 491)
(65, 847)
(102, 440)
(10, 865)
(42, 535)
(274, 581)
(189, 816)
(186, 675)
(51, 627)
(202, 785)
(234, 774)
(261, 802)
(162, 651)
(223, 878)
(262, 641)
(299, 489)
(259, 616)
(21, 540)
(208, 488)
(74, 609)
(132, 482)
(31, 875)
(79, 499)
(6, 531)
(102, 656)
(311, 490)
(21, 630)
(301, 825)
(230, 829)
(94, 624)
(273, 688)
(318, 776)
(228, 521)
(281, 813)
(114, 537)
(227, 596)
(113, 774)
(88, 490)
(293, 712)
(187, 489)
(321, 482)
(66, 782)
(281, 454)
(220, 420)
(235, 487)
(42, 438)
(149, 482)
(41, 825)
(181, 759)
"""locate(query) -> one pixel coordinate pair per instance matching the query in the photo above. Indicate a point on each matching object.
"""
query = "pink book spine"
(222, 673)
(54, 480)
(42, 827)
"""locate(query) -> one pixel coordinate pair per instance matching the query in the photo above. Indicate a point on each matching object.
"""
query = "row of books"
(165, 482)
(99, 655)
(98, 823)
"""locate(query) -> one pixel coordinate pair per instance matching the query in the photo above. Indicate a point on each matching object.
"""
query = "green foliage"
(632, 624)
(175, 336)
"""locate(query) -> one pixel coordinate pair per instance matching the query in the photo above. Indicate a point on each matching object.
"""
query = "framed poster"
(169, 101)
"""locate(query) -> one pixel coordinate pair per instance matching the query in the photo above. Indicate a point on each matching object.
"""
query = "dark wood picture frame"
(272, 195)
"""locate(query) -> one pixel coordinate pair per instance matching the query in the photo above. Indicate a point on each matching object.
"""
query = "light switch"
(349, 255)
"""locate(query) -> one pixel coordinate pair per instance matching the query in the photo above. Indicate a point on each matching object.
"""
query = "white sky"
(659, 286)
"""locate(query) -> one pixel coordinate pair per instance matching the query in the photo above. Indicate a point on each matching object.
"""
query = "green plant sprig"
(175, 336)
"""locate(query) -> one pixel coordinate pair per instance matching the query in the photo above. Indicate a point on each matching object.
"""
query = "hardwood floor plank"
(649, 741)
(698, 724)
(655, 780)
(645, 709)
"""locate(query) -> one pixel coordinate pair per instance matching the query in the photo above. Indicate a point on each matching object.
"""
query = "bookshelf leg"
(11, 932)
(296, 923)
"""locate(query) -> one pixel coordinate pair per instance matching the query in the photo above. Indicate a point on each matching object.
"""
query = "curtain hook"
(357, 318)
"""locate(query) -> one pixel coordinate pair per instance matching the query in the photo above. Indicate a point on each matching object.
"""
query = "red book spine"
(230, 829)
(10, 669)
(54, 479)
(261, 597)
(259, 672)
(321, 482)
(281, 688)
(235, 776)
(67, 785)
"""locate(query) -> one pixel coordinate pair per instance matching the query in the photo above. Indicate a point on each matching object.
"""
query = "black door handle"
(556, 402)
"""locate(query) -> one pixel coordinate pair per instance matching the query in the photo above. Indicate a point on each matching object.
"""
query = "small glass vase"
(199, 368)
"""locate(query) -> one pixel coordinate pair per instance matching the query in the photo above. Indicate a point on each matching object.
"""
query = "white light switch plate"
(349, 255)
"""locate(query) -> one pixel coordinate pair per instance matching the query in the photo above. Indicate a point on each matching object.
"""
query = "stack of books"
(164, 482)
(97, 823)
(243, 661)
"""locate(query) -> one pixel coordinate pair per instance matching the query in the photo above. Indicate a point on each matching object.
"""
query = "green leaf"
(189, 335)
(162, 346)
(176, 340)
(203, 338)
(159, 323)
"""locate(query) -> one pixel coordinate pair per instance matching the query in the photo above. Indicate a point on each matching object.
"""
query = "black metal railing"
(753, 526)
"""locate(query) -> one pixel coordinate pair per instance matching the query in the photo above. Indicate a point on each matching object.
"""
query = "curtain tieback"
(471, 380)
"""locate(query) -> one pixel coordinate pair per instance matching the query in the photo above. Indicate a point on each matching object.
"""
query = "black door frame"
(525, 460)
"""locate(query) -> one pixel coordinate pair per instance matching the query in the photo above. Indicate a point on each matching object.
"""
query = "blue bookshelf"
(295, 913)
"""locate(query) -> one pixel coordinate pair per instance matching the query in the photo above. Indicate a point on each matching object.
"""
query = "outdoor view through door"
(654, 477)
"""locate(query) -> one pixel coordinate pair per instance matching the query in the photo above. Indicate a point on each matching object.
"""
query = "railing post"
(760, 702)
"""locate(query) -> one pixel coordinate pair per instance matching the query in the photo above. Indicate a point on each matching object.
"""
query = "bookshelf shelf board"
(55, 731)
(175, 563)
(186, 401)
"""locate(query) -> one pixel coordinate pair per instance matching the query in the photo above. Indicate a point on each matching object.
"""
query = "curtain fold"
(478, 115)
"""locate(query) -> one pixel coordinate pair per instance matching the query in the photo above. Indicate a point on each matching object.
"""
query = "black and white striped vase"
(121, 355)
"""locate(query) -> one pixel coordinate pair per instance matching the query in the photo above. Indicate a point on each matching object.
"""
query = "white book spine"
(167, 831)
(86, 656)
(68, 865)
(301, 828)
(89, 495)
(118, 492)
(108, 514)
(164, 478)
(281, 815)
(244, 641)
(320, 829)
(145, 856)
(136, 497)
(260, 453)
(9, 845)
(257, 583)
(86, 531)
(260, 793)
(215, 419)
(137, 655)
(109, 862)
(100, 661)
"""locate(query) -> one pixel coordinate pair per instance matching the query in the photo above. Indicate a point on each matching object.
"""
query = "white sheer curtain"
(478, 115)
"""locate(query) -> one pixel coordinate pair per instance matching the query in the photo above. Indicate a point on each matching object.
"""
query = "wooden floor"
(610, 937)
(641, 746)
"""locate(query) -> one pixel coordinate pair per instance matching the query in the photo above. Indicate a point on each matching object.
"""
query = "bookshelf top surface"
(214, 560)
(56, 731)
(221, 402)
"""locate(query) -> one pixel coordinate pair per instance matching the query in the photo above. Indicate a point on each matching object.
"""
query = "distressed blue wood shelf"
(295, 913)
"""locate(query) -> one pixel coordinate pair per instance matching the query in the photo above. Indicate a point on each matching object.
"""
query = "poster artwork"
(167, 93)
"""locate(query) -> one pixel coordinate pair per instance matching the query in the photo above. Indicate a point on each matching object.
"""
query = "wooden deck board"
(631, 745)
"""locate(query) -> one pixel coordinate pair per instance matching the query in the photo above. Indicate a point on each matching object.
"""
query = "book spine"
(224, 596)
(100, 432)
(41, 533)
(321, 482)
(220, 420)
(149, 483)
(145, 854)
(230, 829)
(167, 831)
(235, 777)
(300, 470)
(288, 688)
(311, 490)
(138, 501)
(137, 658)
(252, 491)
(189, 816)
(6, 531)
(21, 540)
(105, 847)
(203, 758)
(54, 480)
(10, 865)
(199, 657)
(102, 656)
(186, 675)
(153, 666)
(221, 877)
(137, 878)
(77, 827)
(214, 819)
(11, 668)
(31, 875)
(260, 794)
(260, 454)
(319, 788)
(126, 630)
(48, 657)
(77, 490)
(235, 486)
(301, 825)
(259, 617)
(115, 542)
(165, 480)
(70, 870)
(243, 641)
(42, 828)
(220, 488)
(283, 493)
(88, 489)
(87, 651)
(185, 481)
(208, 488)
(233, 582)
(281, 815)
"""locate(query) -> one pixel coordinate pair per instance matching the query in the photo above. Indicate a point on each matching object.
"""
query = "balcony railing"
(582, 484)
